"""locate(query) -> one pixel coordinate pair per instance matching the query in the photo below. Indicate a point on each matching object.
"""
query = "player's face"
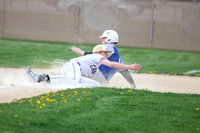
(103, 40)
(104, 54)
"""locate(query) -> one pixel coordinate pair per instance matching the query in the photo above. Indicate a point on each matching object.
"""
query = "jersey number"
(93, 68)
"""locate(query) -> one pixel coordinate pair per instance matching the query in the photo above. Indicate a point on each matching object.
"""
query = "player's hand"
(77, 50)
(135, 66)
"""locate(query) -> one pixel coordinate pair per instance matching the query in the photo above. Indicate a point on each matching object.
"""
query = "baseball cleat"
(32, 76)
(43, 77)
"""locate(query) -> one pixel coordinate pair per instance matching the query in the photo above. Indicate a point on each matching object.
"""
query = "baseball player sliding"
(109, 38)
(78, 69)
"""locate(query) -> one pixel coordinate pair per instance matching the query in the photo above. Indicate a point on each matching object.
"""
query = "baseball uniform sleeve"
(86, 53)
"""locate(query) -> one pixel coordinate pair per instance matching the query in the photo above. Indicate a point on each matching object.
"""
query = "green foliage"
(162, 61)
(15, 53)
(102, 110)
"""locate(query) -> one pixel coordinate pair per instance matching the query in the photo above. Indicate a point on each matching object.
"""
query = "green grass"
(103, 110)
(100, 110)
(16, 53)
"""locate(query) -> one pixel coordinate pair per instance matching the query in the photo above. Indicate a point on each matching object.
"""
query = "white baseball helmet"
(111, 36)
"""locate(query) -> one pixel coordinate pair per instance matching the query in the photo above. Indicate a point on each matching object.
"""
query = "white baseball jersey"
(76, 68)
(89, 64)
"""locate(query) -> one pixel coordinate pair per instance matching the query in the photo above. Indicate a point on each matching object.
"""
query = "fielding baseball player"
(78, 69)
(109, 38)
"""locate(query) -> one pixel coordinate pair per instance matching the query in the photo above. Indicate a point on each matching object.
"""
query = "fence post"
(76, 25)
(153, 19)
(2, 19)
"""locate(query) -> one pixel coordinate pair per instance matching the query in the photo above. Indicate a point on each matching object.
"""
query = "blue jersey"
(109, 72)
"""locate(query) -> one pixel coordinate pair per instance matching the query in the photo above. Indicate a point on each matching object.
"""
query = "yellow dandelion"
(47, 99)
(61, 95)
(78, 100)
(38, 101)
(30, 100)
(43, 104)
(0, 111)
(65, 100)
(16, 115)
(111, 89)
(146, 88)
(89, 92)
(77, 109)
(83, 91)
(41, 107)
(76, 93)
(21, 101)
(53, 100)
(130, 90)
(150, 72)
(197, 109)
(88, 98)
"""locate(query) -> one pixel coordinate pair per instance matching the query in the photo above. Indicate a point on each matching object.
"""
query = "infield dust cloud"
(18, 77)
(57, 63)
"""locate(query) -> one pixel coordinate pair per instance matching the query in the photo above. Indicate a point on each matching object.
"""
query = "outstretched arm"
(120, 66)
(79, 51)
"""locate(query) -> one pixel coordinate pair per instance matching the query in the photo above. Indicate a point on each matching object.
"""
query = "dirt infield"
(14, 84)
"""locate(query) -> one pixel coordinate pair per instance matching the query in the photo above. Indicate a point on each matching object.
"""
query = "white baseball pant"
(71, 74)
